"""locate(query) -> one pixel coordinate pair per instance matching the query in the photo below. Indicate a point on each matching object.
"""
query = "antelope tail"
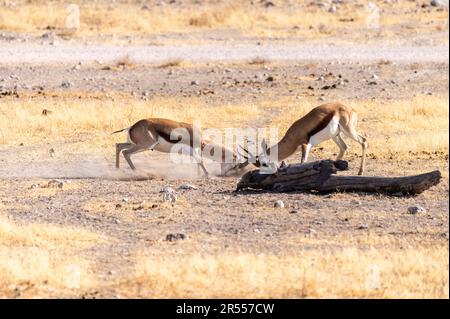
(119, 130)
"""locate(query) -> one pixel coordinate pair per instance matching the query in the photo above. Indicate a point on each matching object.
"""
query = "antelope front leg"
(305, 152)
(198, 159)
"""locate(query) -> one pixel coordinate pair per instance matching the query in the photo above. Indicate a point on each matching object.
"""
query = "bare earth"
(127, 209)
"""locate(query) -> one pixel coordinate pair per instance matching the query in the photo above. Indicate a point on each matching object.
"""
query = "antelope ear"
(264, 146)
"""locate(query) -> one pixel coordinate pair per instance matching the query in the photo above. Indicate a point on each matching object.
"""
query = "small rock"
(51, 152)
(194, 82)
(169, 194)
(66, 84)
(416, 210)
(439, 3)
(54, 183)
(332, 9)
(312, 231)
(374, 76)
(48, 35)
(46, 112)
(188, 187)
(363, 226)
(175, 237)
(278, 204)
(125, 200)
(328, 87)
(33, 186)
(270, 78)
(294, 211)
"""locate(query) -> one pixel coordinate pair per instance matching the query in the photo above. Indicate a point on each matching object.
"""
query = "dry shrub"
(125, 62)
(170, 63)
(258, 61)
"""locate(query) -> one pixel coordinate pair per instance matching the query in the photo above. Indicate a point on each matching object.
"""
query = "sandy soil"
(128, 208)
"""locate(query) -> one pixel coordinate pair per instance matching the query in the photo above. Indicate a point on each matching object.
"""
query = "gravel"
(416, 210)
(279, 204)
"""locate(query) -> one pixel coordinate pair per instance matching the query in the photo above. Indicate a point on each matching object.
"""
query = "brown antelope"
(327, 121)
(163, 134)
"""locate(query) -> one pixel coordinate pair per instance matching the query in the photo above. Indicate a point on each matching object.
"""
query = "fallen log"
(320, 176)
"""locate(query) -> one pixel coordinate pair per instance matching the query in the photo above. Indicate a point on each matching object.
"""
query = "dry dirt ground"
(105, 232)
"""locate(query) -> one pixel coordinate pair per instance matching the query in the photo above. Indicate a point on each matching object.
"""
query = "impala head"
(263, 160)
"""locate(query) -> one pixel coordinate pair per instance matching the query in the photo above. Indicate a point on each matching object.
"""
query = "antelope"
(324, 122)
(163, 134)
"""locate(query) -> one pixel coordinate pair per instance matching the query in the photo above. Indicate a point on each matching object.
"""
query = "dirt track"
(26, 53)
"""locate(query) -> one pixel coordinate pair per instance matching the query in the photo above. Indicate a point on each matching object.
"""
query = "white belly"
(330, 131)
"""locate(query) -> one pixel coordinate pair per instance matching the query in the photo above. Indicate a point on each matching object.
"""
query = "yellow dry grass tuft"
(39, 260)
(131, 18)
(125, 62)
(171, 63)
(416, 272)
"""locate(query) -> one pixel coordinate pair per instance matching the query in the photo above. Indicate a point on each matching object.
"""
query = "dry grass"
(45, 261)
(258, 61)
(349, 272)
(125, 62)
(42, 260)
(171, 64)
(309, 22)
(99, 117)
(395, 128)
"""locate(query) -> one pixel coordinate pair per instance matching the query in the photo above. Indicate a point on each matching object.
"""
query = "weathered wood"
(320, 176)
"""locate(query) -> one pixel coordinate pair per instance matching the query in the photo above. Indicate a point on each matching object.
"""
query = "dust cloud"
(101, 168)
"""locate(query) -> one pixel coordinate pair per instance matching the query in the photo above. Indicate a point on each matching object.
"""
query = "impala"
(169, 136)
(327, 121)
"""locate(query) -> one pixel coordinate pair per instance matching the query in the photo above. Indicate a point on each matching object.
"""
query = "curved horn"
(249, 154)
(264, 145)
